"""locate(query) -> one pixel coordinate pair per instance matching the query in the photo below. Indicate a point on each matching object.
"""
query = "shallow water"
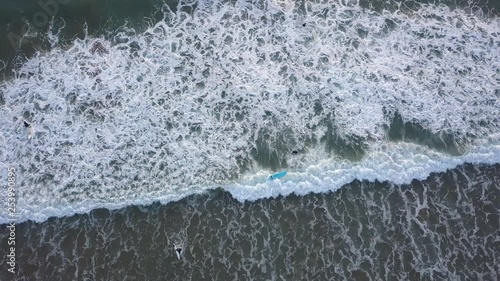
(443, 228)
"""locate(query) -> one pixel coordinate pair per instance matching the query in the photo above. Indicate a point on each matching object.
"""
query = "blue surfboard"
(277, 176)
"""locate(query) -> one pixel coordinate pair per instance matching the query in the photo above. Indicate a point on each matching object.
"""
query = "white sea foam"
(176, 110)
(399, 163)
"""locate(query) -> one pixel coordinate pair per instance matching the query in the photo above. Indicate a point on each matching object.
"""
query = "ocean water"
(442, 228)
(161, 126)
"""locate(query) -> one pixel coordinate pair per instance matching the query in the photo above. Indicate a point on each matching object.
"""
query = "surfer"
(178, 251)
(31, 129)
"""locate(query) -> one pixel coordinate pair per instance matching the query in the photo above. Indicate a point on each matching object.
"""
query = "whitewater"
(221, 94)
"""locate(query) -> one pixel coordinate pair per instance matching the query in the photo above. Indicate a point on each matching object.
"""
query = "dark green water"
(99, 16)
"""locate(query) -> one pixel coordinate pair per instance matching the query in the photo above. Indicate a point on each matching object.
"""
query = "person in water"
(31, 129)
(178, 251)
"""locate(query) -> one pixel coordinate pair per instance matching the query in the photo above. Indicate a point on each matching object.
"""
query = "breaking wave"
(221, 94)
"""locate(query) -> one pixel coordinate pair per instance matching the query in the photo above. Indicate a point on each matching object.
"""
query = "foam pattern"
(177, 109)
